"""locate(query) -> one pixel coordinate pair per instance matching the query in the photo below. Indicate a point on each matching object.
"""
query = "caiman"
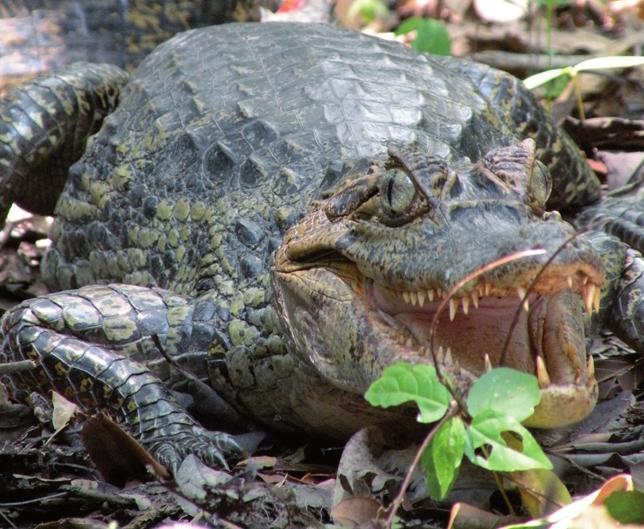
(280, 209)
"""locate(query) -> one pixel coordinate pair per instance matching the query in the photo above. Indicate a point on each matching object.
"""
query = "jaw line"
(562, 403)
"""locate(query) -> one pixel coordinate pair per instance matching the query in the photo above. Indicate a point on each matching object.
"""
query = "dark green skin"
(44, 36)
(224, 139)
(48, 35)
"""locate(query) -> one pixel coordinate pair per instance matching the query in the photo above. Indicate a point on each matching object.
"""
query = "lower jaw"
(562, 405)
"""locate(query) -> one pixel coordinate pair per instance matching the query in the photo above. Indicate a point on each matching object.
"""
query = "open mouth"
(540, 332)
(351, 315)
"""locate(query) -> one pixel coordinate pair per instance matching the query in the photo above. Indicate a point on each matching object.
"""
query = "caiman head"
(360, 278)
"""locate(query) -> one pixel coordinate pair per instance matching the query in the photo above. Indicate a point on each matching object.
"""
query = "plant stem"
(393, 508)
(499, 485)
(580, 101)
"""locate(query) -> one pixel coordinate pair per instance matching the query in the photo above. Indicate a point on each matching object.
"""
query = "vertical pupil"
(390, 190)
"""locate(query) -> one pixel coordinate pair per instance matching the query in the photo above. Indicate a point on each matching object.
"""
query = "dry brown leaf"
(259, 462)
(117, 455)
(579, 513)
(542, 492)
(63, 412)
(272, 478)
(465, 516)
(355, 511)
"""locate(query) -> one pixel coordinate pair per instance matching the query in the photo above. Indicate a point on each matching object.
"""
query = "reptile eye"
(540, 183)
(397, 192)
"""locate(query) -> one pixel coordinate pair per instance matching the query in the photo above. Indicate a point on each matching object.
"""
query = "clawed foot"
(215, 449)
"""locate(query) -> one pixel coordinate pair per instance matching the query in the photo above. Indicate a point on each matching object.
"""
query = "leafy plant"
(431, 35)
(488, 432)
(368, 10)
(571, 74)
(626, 506)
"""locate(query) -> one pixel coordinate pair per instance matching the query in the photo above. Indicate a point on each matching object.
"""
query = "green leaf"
(404, 382)
(442, 458)
(408, 25)
(626, 506)
(431, 35)
(487, 432)
(368, 10)
(505, 391)
(554, 88)
(553, 3)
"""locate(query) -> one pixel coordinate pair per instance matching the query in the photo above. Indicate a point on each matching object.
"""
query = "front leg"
(96, 346)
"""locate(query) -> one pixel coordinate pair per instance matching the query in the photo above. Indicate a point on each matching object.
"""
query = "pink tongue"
(471, 337)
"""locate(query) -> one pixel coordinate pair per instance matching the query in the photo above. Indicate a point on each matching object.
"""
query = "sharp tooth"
(590, 366)
(406, 297)
(569, 281)
(521, 293)
(413, 298)
(585, 280)
(430, 294)
(466, 304)
(487, 288)
(488, 362)
(588, 292)
(542, 373)
(440, 354)
(421, 298)
(409, 342)
(448, 356)
(526, 305)
(596, 299)
(475, 298)
(453, 307)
